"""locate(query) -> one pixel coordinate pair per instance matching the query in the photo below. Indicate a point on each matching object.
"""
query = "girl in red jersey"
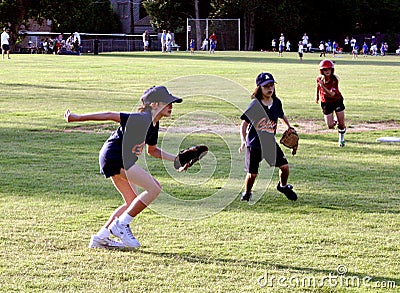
(331, 98)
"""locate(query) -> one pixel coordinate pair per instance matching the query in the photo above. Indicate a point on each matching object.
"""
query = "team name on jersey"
(266, 125)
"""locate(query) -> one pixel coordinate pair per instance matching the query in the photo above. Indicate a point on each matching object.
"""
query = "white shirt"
(77, 37)
(4, 38)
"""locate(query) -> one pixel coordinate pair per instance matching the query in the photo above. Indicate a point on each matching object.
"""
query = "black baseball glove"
(187, 157)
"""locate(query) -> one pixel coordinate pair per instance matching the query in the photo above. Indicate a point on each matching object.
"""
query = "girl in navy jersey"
(331, 98)
(257, 133)
(118, 158)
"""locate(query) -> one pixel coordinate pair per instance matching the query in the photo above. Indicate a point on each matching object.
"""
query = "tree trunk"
(249, 21)
(199, 37)
(245, 31)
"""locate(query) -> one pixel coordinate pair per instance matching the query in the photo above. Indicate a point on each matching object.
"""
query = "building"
(132, 16)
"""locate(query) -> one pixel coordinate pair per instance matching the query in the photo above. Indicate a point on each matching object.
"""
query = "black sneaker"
(245, 196)
(288, 191)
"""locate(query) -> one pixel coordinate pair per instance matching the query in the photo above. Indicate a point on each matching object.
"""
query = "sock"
(125, 219)
(103, 233)
(341, 133)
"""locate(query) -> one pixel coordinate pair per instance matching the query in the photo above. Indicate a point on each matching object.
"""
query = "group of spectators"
(59, 45)
(369, 46)
(167, 41)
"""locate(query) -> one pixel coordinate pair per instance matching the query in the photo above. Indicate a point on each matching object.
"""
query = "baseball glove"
(187, 157)
(290, 139)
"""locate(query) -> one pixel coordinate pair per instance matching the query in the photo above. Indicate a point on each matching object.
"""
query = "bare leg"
(249, 181)
(330, 122)
(128, 192)
(284, 174)
(152, 188)
(340, 118)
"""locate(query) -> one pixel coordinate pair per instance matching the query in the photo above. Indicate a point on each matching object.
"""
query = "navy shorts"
(110, 166)
(111, 162)
(330, 107)
(6, 47)
(254, 157)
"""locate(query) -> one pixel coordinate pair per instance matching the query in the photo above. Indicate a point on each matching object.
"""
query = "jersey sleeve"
(124, 119)
(280, 109)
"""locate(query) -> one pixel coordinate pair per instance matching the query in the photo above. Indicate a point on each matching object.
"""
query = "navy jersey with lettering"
(122, 148)
(261, 119)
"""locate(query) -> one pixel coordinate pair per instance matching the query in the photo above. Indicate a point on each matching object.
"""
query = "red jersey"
(332, 85)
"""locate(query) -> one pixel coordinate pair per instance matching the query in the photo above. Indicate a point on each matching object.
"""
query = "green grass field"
(342, 235)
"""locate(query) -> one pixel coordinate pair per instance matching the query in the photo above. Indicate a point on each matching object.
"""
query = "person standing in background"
(5, 43)
(164, 41)
(213, 43)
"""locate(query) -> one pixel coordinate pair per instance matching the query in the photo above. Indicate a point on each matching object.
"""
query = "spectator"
(146, 37)
(347, 44)
(5, 43)
(353, 42)
(309, 46)
(45, 46)
(191, 46)
(373, 49)
(164, 41)
(384, 48)
(288, 46)
(213, 43)
(169, 40)
(365, 49)
(204, 45)
(281, 45)
(355, 51)
(300, 51)
(322, 48)
(328, 46)
(305, 41)
(334, 48)
(273, 45)
(76, 40)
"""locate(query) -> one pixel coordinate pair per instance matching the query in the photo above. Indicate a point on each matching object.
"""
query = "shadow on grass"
(265, 265)
(11, 86)
(263, 57)
(46, 162)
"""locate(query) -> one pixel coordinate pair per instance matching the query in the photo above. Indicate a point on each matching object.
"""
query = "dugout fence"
(226, 30)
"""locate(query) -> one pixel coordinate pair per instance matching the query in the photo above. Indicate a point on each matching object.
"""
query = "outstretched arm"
(156, 152)
(100, 116)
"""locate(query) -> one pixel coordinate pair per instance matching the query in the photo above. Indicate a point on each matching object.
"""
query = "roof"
(145, 21)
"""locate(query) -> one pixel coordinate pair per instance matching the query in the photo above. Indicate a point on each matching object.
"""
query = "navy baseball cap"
(159, 94)
(264, 78)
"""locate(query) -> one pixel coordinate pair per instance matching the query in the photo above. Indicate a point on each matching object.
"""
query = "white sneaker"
(124, 233)
(97, 242)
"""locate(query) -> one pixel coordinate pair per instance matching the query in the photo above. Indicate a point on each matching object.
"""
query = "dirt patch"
(302, 126)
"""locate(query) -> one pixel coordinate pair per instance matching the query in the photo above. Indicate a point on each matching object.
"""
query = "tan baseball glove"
(290, 139)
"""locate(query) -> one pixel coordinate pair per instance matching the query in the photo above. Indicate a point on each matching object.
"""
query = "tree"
(66, 15)
(244, 9)
(170, 15)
